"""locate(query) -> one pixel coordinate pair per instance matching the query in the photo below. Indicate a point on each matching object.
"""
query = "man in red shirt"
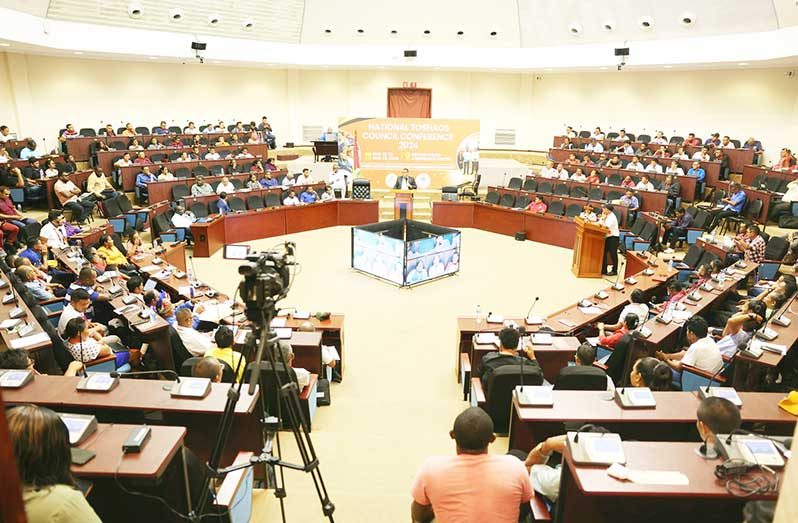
(472, 485)
(611, 340)
(691, 140)
(538, 206)
(141, 159)
(9, 212)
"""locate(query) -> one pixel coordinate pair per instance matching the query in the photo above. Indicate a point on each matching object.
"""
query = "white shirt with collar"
(597, 148)
(611, 222)
(659, 141)
(704, 354)
(225, 187)
(644, 186)
(578, 177)
(561, 174)
(656, 168)
(195, 342)
(337, 180)
(302, 377)
(304, 180)
(548, 172)
(56, 236)
(678, 171)
(639, 309)
(183, 220)
(212, 156)
(291, 201)
(729, 145)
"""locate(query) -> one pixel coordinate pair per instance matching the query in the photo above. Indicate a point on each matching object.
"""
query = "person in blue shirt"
(29, 151)
(632, 204)
(732, 205)
(697, 171)
(162, 129)
(308, 196)
(221, 203)
(268, 180)
(143, 178)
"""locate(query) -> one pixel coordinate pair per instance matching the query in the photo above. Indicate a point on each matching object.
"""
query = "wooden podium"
(403, 205)
(588, 249)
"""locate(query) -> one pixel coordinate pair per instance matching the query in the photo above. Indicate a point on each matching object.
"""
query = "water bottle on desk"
(479, 315)
(190, 276)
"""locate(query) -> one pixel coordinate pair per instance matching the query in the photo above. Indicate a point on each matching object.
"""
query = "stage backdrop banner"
(437, 152)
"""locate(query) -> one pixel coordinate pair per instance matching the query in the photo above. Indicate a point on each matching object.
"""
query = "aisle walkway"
(399, 395)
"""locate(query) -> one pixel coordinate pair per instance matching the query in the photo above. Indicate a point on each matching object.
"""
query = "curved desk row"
(246, 226)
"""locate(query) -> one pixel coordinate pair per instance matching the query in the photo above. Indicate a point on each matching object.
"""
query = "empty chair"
(236, 204)
(218, 170)
(118, 145)
(701, 219)
(157, 157)
(200, 170)
(596, 193)
(561, 189)
(124, 203)
(175, 129)
(706, 258)
(556, 207)
(180, 191)
(676, 139)
(783, 186)
(578, 191)
(255, 201)
(112, 208)
(515, 183)
(522, 201)
(271, 200)
(182, 172)
(693, 255)
(544, 187)
(213, 207)
(631, 137)
(611, 136)
(492, 197)
(772, 183)
(448, 193)
(614, 195)
(236, 183)
(200, 209)
(496, 396)
(573, 210)
(142, 130)
(507, 200)
(644, 138)
(87, 131)
(614, 179)
(584, 134)
(530, 184)
(758, 181)
(736, 142)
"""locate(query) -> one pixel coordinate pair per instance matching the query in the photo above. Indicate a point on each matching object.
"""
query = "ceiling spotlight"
(609, 26)
(688, 19)
(460, 34)
(328, 31)
(134, 10)
(646, 22)
(361, 32)
(175, 14)
(393, 32)
(427, 32)
(575, 29)
(248, 24)
(214, 19)
(493, 34)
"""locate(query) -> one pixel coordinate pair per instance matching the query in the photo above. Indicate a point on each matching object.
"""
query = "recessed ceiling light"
(575, 29)
(427, 32)
(78, 52)
(493, 34)
(743, 64)
(687, 19)
(248, 24)
(214, 19)
(646, 22)
(609, 26)
(328, 31)
(460, 33)
(394, 32)
(134, 10)
(176, 14)
(153, 58)
(361, 32)
(667, 66)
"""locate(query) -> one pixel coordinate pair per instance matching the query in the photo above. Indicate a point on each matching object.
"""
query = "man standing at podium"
(405, 181)
(610, 221)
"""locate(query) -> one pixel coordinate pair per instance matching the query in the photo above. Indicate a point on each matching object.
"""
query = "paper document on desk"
(214, 312)
(27, 341)
(150, 268)
(593, 341)
(774, 347)
(590, 310)
(485, 338)
(680, 316)
(647, 477)
(329, 354)
(278, 322)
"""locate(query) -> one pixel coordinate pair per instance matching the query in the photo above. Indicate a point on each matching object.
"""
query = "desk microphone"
(532, 307)
(522, 333)
(168, 386)
(193, 270)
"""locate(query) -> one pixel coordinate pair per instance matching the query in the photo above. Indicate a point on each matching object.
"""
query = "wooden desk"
(587, 493)
(322, 149)
(42, 352)
(106, 159)
(247, 226)
(687, 183)
(134, 397)
(49, 183)
(649, 200)
(551, 358)
(715, 249)
(674, 416)
(306, 346)
(91, 235)
(129, 173)
(752, 171)
(332, 333)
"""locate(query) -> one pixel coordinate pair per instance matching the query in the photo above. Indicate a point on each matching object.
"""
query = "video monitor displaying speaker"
(432, 257)
(378, 255)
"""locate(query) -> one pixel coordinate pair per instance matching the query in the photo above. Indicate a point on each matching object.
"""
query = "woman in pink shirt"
(628, 183)
(537, 205)
(594, 177)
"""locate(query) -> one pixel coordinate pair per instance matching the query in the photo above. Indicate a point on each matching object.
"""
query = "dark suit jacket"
(411, 182)
(581, 377)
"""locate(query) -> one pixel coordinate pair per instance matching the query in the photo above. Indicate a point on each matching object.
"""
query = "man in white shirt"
(702, 155)
(659, 139)
(200, 188)
(610, 221)
(244, 154)
(644, 184)
(569, 132)
(548, 171)
(212, 154)
(594, 146)
(622, 136)
(305, 178)
(287, 353)
(337, 181)
(225, 186)
(195, 342)
(653, 167)
(53, 233)
(702, 353)
(675, 169)
(191, 129)
(291, 199)
(726, 143)
(635, 165)
(183, 218)
(561, 173)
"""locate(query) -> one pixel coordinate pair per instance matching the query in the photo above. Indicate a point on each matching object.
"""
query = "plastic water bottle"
(190, 276)
(479, 315)
(670, 263)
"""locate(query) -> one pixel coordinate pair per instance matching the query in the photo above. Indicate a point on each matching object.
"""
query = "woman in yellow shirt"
(112, 255)
(224, 351)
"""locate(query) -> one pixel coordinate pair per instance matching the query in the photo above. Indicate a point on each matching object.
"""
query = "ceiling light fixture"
(609, 26)
(214, 19)
(646, 22)
(361, 32)
(393, 32)
(460, 34)
(248, 24)
(743, 64)
(493, 34)
(134, 10)
(328, 31)
(427, 32)
(687, 19)
(575, 29)
(176, 14)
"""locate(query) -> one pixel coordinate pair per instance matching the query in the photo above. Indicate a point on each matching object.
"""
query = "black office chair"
(515, 183)
(578, 191)
(614, 179)
(614, 195)
(270, 393)
(772, 183)
(142, 130)
(492, 198)
(693, 256)
(199, 209)
(561, 189)
(218, 170)
(644, 138)
(180, 191)
(507, 200)
(236, 204)
(596, 193)
(556, 207)
(236, 183)
(498, 392)
(182, 172)
(544, 187)
(612, 135)
(676, 140)
(200, 170)
(522, 201)
(573, 210)
(87, 131)
(587, 377)
(530, 185)
(254, 201)
(187, 367)
(707, 258)
(271, 200)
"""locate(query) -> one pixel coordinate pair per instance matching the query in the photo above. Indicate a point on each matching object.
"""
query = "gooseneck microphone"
(168, 372)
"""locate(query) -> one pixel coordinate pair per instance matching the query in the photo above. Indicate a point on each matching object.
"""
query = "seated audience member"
(652, 373)
(691, 140)
(253, 138)
(653, 167)
(164, 174)
(740, 327)
(234, 168)
(225, 186)
(142, 159)
(659, 139)
(308, 196)
(625, 148)
(29, 152)
(506, 355)
(252, 182)
(697, 171)
(40, 290)
(569, 132)
(784, 207)
(129, 130)
(195, 342)
(753, 247)
(135, 288)
(224, 351)
(208, 367)
(222, 205)
(87, 280)
(112, 255)
(701, 155)
(161, 129)
(594, 177)
(143, 179)
(5, 156)
(756, 146)
(615, 162)
(5, 134)
(221, 142)
(676, 291)
(305, 178)
(246, 154)
(537, 205)
(40, 443)
(176, 143)
(9, 212)
(18, 359)
(182, 219)
(579, 175)
(636, 165)
(675, 169)
(50, 171)
(638, 305)
(732, 205)
(134, 245)
(328, 194)
(53, 234)
(673, 189)
(548, 171)
(201, 188)
(702, 353)
(597, 133)
(71, 198)
(561, 173)
(681, 154)
(124, 161)
(288, 181)
(628, 183)
(716, 416)
(582, 375)
(630, 201)
(270, 166)
(100, 186)
(337, 180)
(80, 344)
(675, 229)
(644, 184)
(291, 199)
(595, 146)
(154, 144)
(629, 324)
(268, 180)
(287, 353)
(662, 152)
(473, 485)
(588, 213)
(191, 128)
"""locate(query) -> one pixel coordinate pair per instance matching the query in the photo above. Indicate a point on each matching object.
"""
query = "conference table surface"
(79, 146)
(531, 425)
(567, 200)
(752, 171)
(106, 159)
(106, 442)
(551, 358)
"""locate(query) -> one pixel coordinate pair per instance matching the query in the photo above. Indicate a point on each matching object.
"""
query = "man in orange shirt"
(537, 205)
(472, 485)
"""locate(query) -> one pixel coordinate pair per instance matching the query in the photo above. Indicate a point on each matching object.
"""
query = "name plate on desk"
(80, 426)
(14, 379)
(492, 318)
(485, 338)
(635, 398)
(720, 392)
(9, 298)
(534, 320)
(97, 382)
(534, 396)
(592, 448)
(191, 388)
